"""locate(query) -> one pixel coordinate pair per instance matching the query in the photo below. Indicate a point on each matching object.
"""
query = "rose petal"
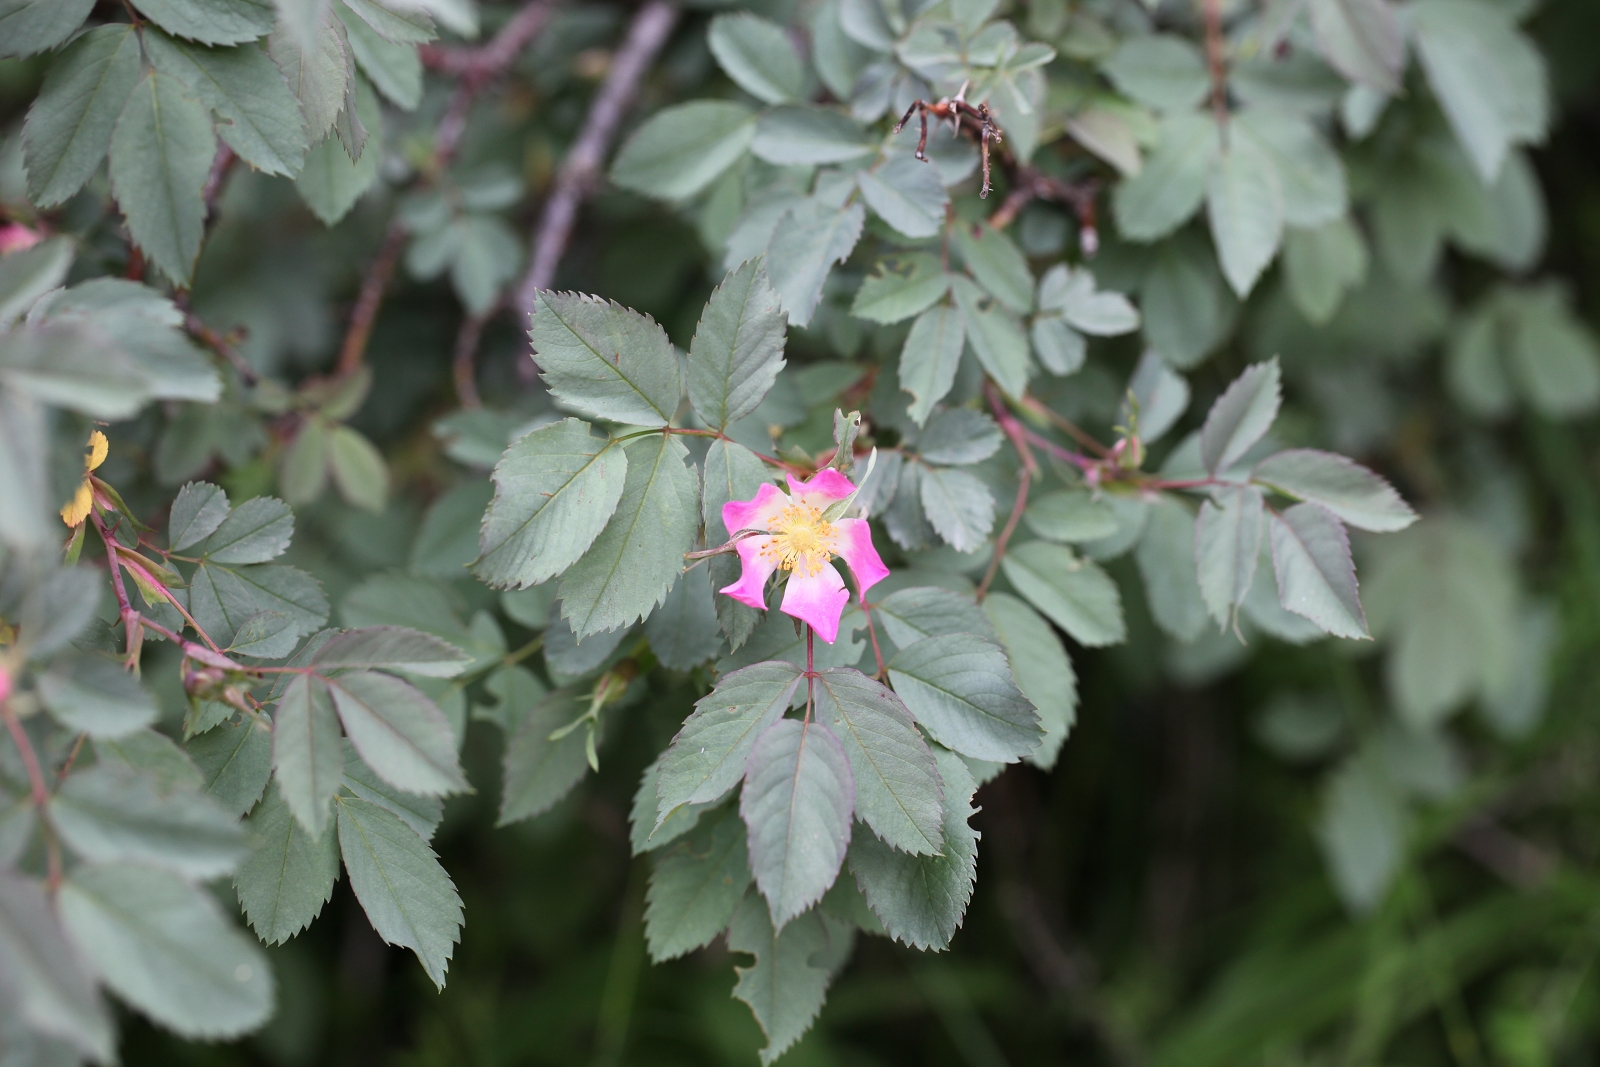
(756, 513)
(817, 599)
(854, 544)
(751, 587)
(824, 488)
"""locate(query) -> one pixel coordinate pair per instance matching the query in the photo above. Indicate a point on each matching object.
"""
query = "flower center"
(801, 540)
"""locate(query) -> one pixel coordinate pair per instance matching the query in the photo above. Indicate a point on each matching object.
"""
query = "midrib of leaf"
(611, 572)
(231, 757)
(366, 843)
(867, 752)
(551, 499)
(168, 183)
(283, 875)
(733, 349)
(616, 368)
(794, 795)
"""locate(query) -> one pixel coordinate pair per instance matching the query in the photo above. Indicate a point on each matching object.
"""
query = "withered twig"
(489, 60)
(462, 365)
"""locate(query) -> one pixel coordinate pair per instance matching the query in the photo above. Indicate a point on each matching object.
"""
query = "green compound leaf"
(1240, 416)
(960, 688)
(109, 814)
(1073, 592)
(808, 136)
(1244, 200)
(808, 240)
(638, 556)
(606, 360)
(93, 694)
(931, 356)
(680, 150)
(737, 349)
(539, 771)
(921, 900)
(405, 892)
(1170, 187)
(899, 287)
(211, 21)
(54, 992)
(1316, 575)
(28, 27)
(306, 753)
(995, 336)
(898, 790)
(908, 194)
(1043, 672)
(1349, 490)
(392, 648)
(959, 505)
(1362, 40)
(161, 154)
(1227, 545)
(788, 980)
(69, 126)
(758, 56)
(1070, 515)
(708, 756)
(797, 801)
(198, 511)
(998, 264)
(555, 490)
(1161, 71)
(284, 885)
(696, 886)
(908, 615)
(1166, 559)
(235, 761)
(400, 733)
(164, 946)
(257, 531)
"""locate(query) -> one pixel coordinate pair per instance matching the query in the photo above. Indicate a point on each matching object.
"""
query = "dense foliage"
(392, 392)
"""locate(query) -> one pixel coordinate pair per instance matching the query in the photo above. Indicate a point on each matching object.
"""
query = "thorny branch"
(476, 67)
(646, 37)
(1013, 431)
(1216, 62)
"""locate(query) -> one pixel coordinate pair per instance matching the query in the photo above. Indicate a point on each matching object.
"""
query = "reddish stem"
(1017, 434)
(37, 787)
(1216, 61)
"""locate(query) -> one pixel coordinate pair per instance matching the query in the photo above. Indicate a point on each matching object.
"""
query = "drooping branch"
(579, 171)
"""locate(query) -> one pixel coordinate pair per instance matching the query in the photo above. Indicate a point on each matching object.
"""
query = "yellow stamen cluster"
(801, 540)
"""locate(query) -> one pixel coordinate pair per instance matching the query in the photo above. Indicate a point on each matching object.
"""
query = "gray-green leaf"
(737, 349)
(758, 56)
(696, 886)
(400, 733)
(109, 814)
(606, 360)
(1075, 593)
(69, 126)
(1316, 576)
(931, 356)
(960, 688)
(708, 756)
(680, 150)
(405, 892)
(639, 555)
(284, 885)
(1346, 488)
(1240, 416)
(555, 490)
(1043, 672)
(797, 802)
(163, 945)
(161, 154)
(898, 789)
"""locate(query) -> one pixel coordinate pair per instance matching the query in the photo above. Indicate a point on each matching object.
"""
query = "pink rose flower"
(800, 541)
(15, 237)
